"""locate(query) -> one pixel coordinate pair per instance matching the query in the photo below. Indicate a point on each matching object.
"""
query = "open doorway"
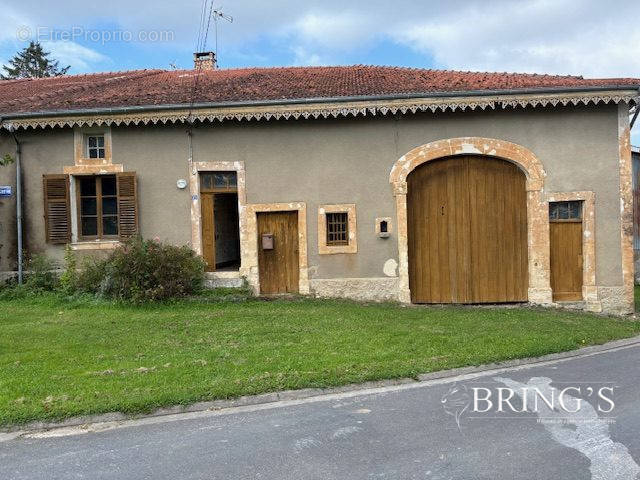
(220, 220)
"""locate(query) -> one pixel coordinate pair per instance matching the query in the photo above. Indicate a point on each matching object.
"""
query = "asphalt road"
(402, 432)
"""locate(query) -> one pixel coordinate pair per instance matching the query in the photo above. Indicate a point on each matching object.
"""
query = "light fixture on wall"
(181, 184)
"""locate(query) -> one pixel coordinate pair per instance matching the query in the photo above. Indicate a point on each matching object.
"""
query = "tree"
(32, 62)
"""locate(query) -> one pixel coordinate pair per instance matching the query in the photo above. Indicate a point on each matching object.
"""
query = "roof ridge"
(131, 73)
(388, 67)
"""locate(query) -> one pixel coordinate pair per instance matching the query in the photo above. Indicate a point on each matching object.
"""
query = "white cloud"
(346, 31)
(11, 21)
(21, 28)
(588, 37)
(530, 39)
(82, 59)
(305, 58)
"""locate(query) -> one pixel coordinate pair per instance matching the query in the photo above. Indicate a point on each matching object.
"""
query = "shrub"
(69, 278)
(40, 274)
(144, 270)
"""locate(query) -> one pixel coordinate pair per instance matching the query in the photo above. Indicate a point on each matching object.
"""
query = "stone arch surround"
(539, 291)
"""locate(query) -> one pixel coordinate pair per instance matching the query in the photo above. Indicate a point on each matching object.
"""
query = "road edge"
(83, 424)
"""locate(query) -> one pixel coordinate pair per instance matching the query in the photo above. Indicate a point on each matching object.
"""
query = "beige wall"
(7, 209)
(339, 161)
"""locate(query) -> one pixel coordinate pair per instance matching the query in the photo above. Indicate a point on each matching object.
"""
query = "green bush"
(69, 278)
(40, 274)
(143, 270)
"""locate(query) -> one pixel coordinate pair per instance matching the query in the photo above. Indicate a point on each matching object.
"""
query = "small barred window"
(337, 228)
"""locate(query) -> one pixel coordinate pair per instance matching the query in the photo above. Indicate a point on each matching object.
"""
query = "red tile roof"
(161, 87)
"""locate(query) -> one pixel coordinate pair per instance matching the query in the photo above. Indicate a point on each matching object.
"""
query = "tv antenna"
(218, 15)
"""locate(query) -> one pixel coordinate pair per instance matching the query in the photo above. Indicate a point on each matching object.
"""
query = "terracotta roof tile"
(161, 87)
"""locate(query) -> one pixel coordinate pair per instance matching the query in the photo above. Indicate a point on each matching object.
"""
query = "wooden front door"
(565, 231)
(467, 231)
(278, 267)
(208, 231)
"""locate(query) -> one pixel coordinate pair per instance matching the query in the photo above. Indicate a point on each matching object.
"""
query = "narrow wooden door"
(208, 231)
(565, 231)
(467, 231)
(278, 267)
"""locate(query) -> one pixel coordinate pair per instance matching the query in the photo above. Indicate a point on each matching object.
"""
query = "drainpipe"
(190, 141)
(19, 204)
(635, 116)
(18, 200)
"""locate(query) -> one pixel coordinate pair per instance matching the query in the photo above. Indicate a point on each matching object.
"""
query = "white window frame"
(97, 148)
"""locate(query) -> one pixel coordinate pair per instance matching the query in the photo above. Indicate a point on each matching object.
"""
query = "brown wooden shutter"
(127, 204)
(57, 218)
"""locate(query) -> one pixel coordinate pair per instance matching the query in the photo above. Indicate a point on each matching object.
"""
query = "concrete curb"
(306, 393)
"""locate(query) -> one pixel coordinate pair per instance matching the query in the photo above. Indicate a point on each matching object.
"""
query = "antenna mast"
(218, 14)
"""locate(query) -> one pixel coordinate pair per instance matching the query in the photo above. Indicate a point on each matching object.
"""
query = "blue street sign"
(5, 191)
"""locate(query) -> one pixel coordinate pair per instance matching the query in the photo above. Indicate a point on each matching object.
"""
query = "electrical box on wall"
(267, 241)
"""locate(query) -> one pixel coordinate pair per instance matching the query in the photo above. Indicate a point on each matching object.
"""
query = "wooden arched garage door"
(467, 231)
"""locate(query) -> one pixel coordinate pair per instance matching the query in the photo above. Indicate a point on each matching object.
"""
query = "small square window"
(337, 228)
(95, 146)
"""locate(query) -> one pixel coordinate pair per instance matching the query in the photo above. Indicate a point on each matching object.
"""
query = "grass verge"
(61, 357)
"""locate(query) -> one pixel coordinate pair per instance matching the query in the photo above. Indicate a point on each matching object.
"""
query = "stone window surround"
(249, 242)
(91, 164)
(589, 289)
(350, 210)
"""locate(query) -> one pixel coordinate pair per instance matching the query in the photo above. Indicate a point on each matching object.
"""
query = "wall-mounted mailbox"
(383, 227)
(267, 241)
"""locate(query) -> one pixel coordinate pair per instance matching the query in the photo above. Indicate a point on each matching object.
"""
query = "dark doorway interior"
(227, 231)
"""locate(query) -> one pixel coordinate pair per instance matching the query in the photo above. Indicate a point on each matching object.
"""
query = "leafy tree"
(33, 62)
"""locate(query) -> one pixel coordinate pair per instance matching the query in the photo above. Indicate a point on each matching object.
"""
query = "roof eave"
(317, 100)
(324, 107)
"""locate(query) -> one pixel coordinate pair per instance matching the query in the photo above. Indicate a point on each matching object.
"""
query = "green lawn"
(60, 358)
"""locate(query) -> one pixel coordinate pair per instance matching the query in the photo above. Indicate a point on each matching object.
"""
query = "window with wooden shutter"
(57, 219)
(127, 204)
(98, 207)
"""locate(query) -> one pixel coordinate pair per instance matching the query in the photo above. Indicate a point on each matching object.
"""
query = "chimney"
(204, 61)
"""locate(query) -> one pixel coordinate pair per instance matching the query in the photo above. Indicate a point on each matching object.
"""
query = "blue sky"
(587, 37)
